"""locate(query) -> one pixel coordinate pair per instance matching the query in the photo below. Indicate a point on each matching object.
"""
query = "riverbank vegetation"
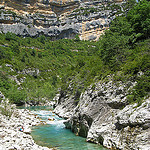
(32, 69)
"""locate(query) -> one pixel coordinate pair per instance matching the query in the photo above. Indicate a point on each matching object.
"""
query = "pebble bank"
(10, 136)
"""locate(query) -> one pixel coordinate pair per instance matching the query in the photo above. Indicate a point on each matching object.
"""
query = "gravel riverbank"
(10, 136)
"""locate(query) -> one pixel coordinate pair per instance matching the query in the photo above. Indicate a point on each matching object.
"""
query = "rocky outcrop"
(65, 104)
(104, 116)
(128, 128)
(68, 31)
(1, 96)
(10, 136)
(58, 19)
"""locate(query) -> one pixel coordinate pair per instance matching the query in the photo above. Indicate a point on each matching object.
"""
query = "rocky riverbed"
(10, 136)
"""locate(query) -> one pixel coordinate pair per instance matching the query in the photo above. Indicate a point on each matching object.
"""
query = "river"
(54, 134)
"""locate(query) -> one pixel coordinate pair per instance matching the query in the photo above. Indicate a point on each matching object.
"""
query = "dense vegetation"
(42, 66)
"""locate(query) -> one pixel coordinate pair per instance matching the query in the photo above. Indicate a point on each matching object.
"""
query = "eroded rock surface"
(58, 19)
(104, 116)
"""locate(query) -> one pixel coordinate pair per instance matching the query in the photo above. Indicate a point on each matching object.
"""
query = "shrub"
(16, 96)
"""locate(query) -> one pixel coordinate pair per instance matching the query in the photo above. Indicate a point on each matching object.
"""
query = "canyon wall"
(58, 19)
(103, 115)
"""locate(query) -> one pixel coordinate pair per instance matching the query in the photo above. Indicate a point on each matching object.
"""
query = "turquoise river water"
(54, 134)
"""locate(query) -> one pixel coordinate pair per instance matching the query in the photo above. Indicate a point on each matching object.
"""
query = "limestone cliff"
(104, 116)
(58, 18)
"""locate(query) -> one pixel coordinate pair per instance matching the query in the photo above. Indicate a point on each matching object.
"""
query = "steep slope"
(104, 116)
(115, 110)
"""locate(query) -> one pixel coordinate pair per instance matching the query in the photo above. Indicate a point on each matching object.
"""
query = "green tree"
(16, 96)
(77, 38)
(15, 47)
(10, 36)
(42, 39)
(121, 26)
(139, 18)
(113, 46)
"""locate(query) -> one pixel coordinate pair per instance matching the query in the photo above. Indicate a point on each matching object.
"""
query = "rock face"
(103, 116)
(58, 18)
(65, 104)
